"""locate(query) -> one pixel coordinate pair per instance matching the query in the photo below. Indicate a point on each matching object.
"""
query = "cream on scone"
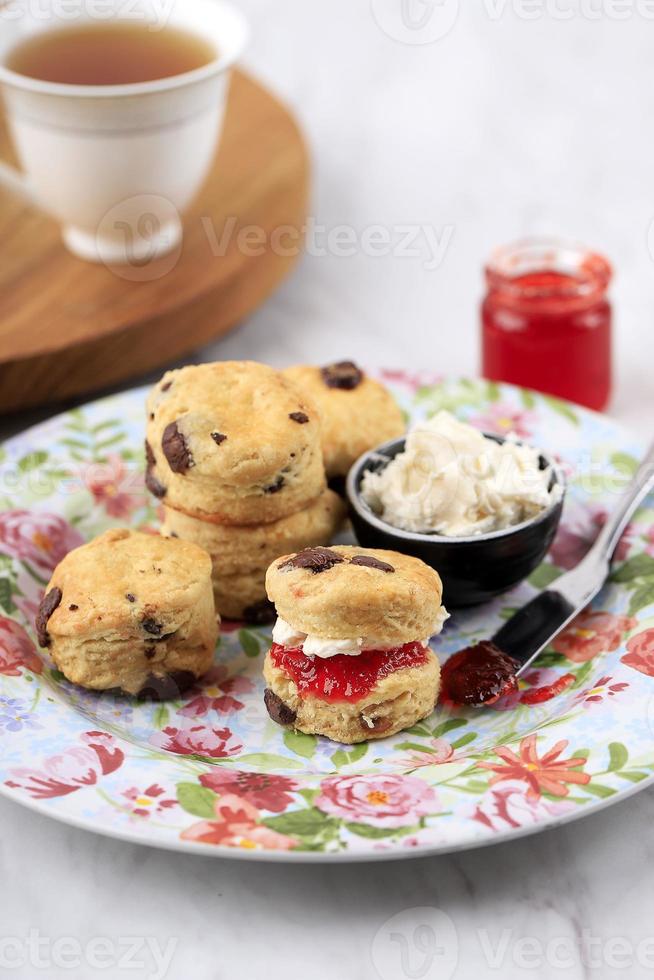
(350, 656)
(133, 612)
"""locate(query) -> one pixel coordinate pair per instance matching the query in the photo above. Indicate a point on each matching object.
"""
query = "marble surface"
(505, 126)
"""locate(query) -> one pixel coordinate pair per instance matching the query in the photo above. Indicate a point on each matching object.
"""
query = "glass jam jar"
(546, 320)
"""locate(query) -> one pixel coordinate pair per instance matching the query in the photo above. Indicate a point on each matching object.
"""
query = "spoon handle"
(534, 626)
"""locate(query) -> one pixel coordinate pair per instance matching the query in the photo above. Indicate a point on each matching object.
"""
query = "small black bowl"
(473, 569)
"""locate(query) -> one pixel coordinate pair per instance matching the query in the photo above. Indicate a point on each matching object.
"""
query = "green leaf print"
(641, 597)
(597, 789)
(300, 744)
(544, 575)
(464, 740)
(619, 756)
(197, 800)
(528, 398)
(562, 408)
(32, 461)
(160, 717)
(624, 463)
(377, 833)
(6, 599)
(492, 391)
(304, 823)
(347, 757)
(269, 762)
(249, 643)
(448, 726)
(640, 566)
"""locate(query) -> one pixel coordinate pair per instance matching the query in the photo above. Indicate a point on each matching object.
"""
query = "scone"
(233, 443)
(350, 656)
(356, 412)
(241, 554)
(133, 612)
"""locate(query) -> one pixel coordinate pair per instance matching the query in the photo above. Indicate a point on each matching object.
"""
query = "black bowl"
(473, 569)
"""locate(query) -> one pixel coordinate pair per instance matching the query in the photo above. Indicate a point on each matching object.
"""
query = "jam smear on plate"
(344, 678)
(479, 675)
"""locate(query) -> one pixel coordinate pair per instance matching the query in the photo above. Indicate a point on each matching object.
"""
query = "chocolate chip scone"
(238, 548)
(132, 612)
(356, 412)
(233, 442)
(241, 554)
(350, 656)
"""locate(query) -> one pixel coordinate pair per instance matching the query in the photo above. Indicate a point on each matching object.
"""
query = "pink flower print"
(381, 801)
(76, 767)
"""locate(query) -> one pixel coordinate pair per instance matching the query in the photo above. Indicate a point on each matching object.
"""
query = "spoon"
(483, 673)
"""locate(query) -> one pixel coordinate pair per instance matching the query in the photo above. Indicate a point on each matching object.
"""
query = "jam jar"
(546, 320)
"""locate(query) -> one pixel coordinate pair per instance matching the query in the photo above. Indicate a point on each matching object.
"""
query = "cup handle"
(16, 182)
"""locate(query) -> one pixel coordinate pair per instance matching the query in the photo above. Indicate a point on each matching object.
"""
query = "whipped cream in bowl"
(480, 509)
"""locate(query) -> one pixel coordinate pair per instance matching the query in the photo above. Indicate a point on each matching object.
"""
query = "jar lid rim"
(588, 272)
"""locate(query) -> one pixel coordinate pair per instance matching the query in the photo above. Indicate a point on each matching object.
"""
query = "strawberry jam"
(343, 678)
(546, 320)
(479, 675)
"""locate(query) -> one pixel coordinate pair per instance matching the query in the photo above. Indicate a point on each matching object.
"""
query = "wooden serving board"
(69, 327)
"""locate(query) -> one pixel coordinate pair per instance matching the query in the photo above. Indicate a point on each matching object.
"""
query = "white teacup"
(115, 165)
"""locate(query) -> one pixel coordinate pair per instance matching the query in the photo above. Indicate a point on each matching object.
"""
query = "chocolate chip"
(166, 385)
(278, 711)
(73, 607)
(260, 613)
(130, 597)
(156, 489)
(175, 449)
(299, 417)
(316, 560)
(218, 437)
(167, 688)
(152, 626)
(275, 487)
(151, 482)
(368, 562)
(150, 652)
(152, 416)
(344, 374)
(173, 534)
(49, 603)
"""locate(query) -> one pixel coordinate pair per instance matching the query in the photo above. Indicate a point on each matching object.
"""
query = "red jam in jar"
(343, 678)
(546, 320)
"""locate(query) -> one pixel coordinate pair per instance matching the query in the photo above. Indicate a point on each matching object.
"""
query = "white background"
(504, 127)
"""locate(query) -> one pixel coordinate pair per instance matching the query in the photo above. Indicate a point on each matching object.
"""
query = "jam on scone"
(350, 657)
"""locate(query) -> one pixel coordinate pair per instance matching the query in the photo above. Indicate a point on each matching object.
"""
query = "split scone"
(241, 554)
(233, 442)
(356, 412)
(132, 612)
(350, 656)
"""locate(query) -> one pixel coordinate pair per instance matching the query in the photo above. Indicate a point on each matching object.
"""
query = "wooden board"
(69, 327)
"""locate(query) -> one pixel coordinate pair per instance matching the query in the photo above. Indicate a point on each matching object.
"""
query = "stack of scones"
(234, 454)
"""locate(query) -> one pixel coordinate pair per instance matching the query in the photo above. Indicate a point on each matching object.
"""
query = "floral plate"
(212, 774)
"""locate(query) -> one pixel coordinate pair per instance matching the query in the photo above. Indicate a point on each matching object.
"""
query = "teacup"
(116, 165)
